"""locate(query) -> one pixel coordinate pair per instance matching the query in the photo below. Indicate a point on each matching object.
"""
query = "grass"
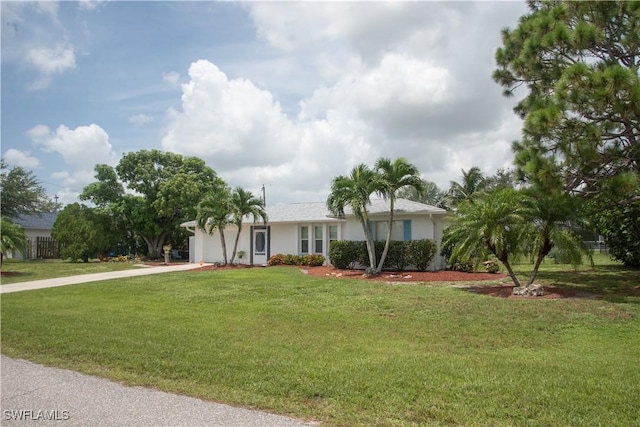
(24, 271)
(346, 352)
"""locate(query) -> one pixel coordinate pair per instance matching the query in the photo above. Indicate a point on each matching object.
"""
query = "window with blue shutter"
(406, 226)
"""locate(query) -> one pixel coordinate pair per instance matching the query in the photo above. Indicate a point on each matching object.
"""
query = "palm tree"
(355, 191)
(394, 176)
(498, 222)
(551, 212)
(473, 182)
(244, 203)
(214, 213)
(12, 237)
(432, 195)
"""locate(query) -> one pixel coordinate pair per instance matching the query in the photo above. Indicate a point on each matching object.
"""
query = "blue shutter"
(406, 225)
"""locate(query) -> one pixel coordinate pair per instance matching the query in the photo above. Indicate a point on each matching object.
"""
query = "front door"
(260, 246)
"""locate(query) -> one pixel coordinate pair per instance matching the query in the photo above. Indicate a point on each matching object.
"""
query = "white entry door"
(260, 246)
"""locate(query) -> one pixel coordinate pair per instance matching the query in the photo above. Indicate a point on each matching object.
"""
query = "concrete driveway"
(95, 277)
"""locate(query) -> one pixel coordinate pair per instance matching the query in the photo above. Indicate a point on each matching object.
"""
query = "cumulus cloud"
(20, 158)
(49, 62)
(80, 148)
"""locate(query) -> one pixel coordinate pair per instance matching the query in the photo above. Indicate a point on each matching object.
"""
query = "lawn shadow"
(612, 283)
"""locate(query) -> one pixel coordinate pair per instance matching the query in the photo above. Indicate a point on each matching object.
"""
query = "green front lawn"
(345, 352)
(15, 271)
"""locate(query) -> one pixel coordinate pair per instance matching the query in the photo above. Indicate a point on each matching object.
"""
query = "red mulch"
(499, 291)
(404, 276)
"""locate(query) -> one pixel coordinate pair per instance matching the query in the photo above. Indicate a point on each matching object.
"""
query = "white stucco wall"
(285, 237)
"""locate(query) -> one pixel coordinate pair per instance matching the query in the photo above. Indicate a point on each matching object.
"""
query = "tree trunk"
(543, 252)
(371, 248)
(154, 245)
(224, 245)
(235, 245)
(388, 241)
(511, 273)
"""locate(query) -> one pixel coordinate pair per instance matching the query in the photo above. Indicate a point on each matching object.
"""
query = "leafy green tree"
(580, 65)
(21, 192)
(619, 224)
(496, 222)
(214, 213)
(473, 182)
(392, 177)
(106, 190)
(355, 191)
(12, 237)
(432, 195)
(244, 203)
(84, 232)
(167, 190)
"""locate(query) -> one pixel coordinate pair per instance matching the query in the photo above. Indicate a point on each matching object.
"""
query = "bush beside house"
(418, 254)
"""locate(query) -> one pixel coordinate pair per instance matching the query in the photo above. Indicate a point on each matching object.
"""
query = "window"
(260, 242)
(318, 239)
(304, 240)
(333, 234)
(380, 229)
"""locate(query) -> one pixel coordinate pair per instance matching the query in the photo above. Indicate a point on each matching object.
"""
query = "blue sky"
(287, 95)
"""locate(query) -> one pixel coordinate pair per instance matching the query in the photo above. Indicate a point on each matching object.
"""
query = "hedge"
(345, 254)
(301, 260)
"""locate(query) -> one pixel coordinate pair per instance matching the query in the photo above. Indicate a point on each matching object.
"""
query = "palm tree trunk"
(388, 241)
(235, 245)
(513, 276)
(371, 248)
(224, 245)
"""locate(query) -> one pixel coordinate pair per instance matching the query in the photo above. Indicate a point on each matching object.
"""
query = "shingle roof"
(318, 212)
(299, 212)
(43, 221)
(380, 206)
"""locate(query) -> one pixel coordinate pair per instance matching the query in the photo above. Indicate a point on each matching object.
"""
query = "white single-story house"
(309, 228)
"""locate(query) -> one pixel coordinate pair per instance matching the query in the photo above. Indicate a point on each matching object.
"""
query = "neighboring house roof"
(318, 212)
(43, 221)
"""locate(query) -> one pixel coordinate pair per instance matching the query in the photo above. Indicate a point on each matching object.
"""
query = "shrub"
(491, 266)
(278, 259)
(299, 260)
(421, 253)
(465, 266)
(344, 253)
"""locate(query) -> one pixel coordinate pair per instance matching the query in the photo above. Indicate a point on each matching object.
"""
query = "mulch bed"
(499, 291)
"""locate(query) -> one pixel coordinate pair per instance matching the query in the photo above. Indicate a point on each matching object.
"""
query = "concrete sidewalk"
(95, 277)
(37, 395)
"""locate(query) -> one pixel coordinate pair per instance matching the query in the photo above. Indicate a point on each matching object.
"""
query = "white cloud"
(49, 62)
(20, 158)
(140, 119)
(172, 78)
(82, 147)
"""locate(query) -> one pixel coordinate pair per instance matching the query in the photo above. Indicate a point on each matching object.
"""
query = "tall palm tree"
(244, 203)
(214, 213)
(394, 176)
(355, 191)
(12, 237)
(473, 181)
(498, 222)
